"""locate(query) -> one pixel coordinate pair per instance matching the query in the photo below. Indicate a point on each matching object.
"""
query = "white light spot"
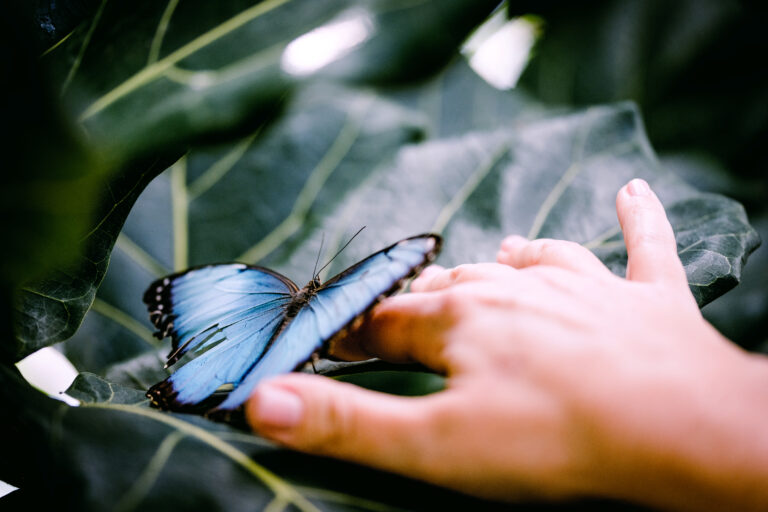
(499, 50)
(6, 488)
(201, 80)
(49, 371)
(315, 49)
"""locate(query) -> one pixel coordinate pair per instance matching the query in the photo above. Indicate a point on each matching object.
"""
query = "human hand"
(562, 380)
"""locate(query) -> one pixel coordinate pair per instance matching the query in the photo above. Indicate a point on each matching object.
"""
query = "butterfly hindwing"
(228, 312)
(335, 306)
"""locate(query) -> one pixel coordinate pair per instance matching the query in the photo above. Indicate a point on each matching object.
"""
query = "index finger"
(650, 241)
(403, 329)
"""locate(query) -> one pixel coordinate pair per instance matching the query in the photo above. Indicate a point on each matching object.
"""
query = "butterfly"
(247, 323)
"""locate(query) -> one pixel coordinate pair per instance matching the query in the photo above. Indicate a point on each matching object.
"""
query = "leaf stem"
(156, 70)
(83, 47)
(162, 28)
(474, 180)
(124, 319)
(180, 212)
(221, 167)
(140, 256)
(144, 482)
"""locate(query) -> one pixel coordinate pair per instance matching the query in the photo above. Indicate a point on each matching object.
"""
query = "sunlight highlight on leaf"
(323, 45)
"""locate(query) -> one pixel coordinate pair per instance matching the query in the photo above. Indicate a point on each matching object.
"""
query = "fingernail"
(638, 187)
(513, 241)
(277, 407)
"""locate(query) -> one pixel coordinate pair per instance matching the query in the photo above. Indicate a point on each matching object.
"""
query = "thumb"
(322, 416)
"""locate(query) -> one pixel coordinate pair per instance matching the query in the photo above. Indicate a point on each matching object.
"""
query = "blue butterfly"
(248, 323)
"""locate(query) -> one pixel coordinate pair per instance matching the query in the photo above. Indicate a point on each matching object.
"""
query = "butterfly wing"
(336, 305)
(227, 313)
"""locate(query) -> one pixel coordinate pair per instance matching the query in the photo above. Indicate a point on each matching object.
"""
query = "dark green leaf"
(143, 76)
(195, 68)
(690, 65)
(92, 389)
(50, 309)
(48, 177)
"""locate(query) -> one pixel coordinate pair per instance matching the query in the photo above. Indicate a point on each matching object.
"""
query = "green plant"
(173, 136)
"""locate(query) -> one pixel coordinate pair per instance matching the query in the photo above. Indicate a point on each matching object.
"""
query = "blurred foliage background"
(143, 137)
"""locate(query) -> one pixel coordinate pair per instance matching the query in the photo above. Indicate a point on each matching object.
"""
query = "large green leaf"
(458, 101)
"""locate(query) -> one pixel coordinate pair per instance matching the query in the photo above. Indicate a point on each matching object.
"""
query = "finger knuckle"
(542, 249)
(460, 272)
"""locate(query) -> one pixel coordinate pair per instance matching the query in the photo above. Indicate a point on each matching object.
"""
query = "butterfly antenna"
(340, 250)
(317, 260)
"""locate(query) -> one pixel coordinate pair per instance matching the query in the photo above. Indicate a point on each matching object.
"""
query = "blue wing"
(335, 306)
(227, 314)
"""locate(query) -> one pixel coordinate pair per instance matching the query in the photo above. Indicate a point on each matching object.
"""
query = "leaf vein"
(83, 47)
(328, 163)
(162, 28)
(276, 484)
(156, 70)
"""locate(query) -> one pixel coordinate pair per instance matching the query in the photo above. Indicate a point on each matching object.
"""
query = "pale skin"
(562, 381)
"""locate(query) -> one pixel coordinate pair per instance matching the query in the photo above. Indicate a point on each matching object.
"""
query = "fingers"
(519, 252)
(433, 279)
(402, 329)
(650, 241)
(321, 416)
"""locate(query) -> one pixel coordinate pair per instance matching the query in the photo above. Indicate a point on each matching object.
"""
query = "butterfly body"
(247, 323)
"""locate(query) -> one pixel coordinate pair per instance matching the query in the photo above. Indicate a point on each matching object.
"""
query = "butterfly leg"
(315, 357)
